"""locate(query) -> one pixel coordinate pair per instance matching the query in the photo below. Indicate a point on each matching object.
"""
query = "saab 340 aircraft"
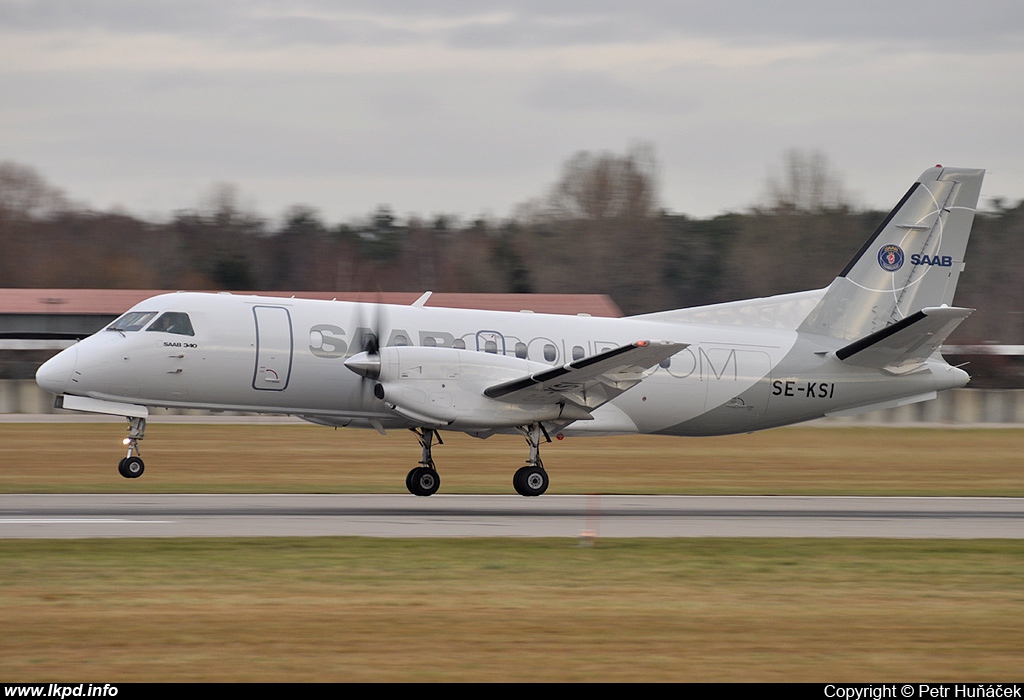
(869, 340)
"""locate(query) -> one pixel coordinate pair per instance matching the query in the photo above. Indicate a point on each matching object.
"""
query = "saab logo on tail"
(890, 257)
(943, 261)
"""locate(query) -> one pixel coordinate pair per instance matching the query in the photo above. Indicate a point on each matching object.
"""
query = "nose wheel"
(132, 466)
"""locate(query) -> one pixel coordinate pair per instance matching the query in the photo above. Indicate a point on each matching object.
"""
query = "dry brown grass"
(347, 609)
(330, 609)
(82, 457)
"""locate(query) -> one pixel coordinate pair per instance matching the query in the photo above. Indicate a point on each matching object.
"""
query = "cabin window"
(459, 344)
(666, 363)
(132, 321)
(401, 341)
(550, 352)
(173, 322)
(577, 352)
(491, 346)
(521, 350)
(430, 342)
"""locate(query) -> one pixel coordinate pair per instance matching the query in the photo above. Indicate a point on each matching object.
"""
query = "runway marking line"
(77, 521)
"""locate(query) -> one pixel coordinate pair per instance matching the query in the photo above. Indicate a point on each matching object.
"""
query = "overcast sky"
(471, 107)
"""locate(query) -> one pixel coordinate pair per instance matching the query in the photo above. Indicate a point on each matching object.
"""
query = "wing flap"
(907, 344)
(591, 381)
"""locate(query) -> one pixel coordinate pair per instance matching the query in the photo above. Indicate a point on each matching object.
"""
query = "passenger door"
(273, 348)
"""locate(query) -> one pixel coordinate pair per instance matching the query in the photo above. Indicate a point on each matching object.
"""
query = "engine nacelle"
(444, 387)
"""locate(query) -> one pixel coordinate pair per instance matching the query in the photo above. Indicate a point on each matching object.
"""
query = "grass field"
(351, 609)
(283, 458)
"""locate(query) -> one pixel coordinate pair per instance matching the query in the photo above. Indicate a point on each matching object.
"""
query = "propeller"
(366, 363)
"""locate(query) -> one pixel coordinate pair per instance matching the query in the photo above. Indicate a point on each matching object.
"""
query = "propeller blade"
(367, 363)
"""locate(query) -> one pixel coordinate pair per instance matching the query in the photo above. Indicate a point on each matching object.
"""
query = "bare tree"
(607, 186)
(598, 230)
(25, 195)
(806, 184)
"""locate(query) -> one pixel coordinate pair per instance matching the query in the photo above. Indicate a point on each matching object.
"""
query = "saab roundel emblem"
(890, 257)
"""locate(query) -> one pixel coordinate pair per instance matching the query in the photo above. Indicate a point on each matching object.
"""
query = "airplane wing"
(905, 345)
(591, 381)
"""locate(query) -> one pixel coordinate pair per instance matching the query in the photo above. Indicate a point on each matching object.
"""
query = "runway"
(72, 516)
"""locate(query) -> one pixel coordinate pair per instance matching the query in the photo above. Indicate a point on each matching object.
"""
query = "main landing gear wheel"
(530, 481)
(423, 481)
(131, 467)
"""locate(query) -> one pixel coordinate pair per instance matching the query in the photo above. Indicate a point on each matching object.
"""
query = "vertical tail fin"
(912, 261)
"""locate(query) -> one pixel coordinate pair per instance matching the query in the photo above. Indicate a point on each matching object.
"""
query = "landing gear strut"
(132, 466)
(424, 479)
(532, 480)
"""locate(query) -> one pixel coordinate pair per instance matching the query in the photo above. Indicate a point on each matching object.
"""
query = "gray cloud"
(465, 106)
(594, 91)
(938, 24)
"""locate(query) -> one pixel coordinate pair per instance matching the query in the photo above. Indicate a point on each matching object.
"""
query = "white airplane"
(869, 340)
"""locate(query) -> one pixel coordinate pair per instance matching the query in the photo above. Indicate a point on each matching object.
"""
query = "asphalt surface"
(70, 516)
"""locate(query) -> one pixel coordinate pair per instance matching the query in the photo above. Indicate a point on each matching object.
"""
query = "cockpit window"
(132, 321)
(173, 322)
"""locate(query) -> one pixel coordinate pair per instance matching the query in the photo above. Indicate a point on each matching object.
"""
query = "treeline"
(600, 230)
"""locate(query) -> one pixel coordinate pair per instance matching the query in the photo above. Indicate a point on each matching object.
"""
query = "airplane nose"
(55, 374)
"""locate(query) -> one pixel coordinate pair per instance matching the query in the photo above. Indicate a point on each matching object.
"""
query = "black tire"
(410, 477)
(517, 480)
(120, 468)
(424, 481)
(531, 481)
(132, 467)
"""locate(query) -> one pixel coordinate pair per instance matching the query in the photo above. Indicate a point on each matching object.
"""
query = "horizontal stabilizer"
(589, 382)
(905, 345)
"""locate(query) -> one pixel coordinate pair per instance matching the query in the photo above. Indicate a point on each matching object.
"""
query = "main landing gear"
(530, 480)
(132, 466)
(424, 479)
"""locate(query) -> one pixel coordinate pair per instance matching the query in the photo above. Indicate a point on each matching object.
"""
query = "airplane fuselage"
(273, 355)
(871, 339)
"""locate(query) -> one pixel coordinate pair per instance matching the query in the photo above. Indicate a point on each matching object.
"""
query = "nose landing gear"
(132, 466)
